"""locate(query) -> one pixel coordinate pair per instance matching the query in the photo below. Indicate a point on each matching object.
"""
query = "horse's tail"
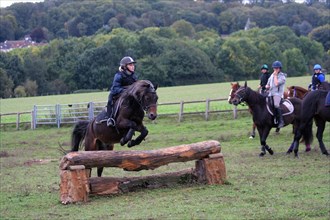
(307, 133)
(78, 134)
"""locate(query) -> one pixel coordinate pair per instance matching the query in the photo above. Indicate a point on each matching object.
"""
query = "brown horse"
(296, 91)
(262, 118)
(130, 108)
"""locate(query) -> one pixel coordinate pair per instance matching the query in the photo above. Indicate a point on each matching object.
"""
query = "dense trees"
(174, 42)
(166, 56)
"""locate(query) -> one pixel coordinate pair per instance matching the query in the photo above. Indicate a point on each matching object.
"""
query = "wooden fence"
(60, 114)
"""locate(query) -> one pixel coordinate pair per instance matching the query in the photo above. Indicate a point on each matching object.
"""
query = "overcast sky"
(6, 3)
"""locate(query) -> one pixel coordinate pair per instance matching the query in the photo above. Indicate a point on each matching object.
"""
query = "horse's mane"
(137, 89)
(254, 96)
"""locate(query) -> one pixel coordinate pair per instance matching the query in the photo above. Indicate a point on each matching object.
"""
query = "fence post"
(90, 110)
(34, 117)
(181, 111)
(18, 120)
(58, 115)
(235, 111)
(207, 109)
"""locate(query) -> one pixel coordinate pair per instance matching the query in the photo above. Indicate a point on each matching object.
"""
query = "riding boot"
(279, 118)
(110, 121)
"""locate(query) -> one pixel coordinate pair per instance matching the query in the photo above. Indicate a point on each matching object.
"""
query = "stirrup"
(111, 122)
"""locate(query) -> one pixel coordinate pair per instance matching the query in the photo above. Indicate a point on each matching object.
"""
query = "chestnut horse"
(130, 108)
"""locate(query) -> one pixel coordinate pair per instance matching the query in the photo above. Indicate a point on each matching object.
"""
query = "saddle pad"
(100, 118)
(286, 106)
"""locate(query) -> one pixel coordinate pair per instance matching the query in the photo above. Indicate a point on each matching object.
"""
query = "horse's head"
(234, 88)
(145, 94)
(240, 95)
(324, 86)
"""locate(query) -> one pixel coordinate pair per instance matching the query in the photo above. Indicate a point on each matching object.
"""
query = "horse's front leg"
(143, 133)
(127, 137)
(263, 134)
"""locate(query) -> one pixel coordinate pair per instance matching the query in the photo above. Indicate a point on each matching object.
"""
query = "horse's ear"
(156, 86)
(245, 84)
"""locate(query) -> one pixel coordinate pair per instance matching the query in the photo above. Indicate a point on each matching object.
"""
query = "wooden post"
(18, 120)
(74, 185)
(235, 111)
(181, 111)
(211, 170)
(207, 109)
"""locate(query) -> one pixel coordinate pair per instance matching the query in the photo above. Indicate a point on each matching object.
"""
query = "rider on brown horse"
(123, 78)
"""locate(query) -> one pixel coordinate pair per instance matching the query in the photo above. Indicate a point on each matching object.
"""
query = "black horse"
(313, 106)
(130, 108)
(262, 117)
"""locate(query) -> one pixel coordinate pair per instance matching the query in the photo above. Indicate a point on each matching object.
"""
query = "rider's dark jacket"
(121, 80)
(264, 79)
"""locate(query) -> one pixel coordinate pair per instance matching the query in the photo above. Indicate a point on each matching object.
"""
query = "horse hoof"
(270, 151)
(251, 137)
(122, 142)
(289, 152)
(308, 149)
(326, 153)
(131, 144)
(262, 154)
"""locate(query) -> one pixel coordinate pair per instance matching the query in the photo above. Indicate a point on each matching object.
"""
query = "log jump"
(75, 169)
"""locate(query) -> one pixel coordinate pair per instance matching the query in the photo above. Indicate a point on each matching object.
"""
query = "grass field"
(273, 187)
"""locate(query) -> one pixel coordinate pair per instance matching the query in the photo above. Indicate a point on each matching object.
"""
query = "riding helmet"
(126, 60)
(277, 64)
(264, 67)
(317, 67)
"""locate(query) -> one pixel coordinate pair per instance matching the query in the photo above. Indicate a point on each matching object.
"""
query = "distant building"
(9, 45)
(247, 25)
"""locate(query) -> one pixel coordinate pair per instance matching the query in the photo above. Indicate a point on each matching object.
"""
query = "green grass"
(274, 187)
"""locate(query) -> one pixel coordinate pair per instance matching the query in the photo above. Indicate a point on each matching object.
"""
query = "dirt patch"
(36, 161)
(4, 154)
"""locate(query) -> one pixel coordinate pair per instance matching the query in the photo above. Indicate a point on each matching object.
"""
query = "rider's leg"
(111, 121)
(279, 116)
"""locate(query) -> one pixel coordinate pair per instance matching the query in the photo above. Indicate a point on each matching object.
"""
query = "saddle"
(286, 106)
(101, 118)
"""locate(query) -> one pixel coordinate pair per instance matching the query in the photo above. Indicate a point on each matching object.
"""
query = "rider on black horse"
(124, 77)
(275, 84)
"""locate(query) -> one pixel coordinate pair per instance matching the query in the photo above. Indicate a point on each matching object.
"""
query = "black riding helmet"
(125, 61)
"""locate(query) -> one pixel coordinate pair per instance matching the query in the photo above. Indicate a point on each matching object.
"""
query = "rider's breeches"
(277, 101)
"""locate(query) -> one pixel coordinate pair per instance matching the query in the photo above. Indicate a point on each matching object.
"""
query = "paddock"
(77, 184)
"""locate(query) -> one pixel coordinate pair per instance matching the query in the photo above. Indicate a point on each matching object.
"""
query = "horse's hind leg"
(253, 132)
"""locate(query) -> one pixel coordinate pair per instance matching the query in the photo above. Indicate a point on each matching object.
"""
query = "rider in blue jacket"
(317, 78)
(123, 78)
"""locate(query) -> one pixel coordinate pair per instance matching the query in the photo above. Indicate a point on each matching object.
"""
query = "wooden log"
(74, 185)
(211, 170)
(112, 185)
(133, 160)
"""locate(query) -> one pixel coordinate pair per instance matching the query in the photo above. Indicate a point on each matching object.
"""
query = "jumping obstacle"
(75, 169)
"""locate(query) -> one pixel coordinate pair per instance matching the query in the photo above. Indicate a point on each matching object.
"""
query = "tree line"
(180, 52)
